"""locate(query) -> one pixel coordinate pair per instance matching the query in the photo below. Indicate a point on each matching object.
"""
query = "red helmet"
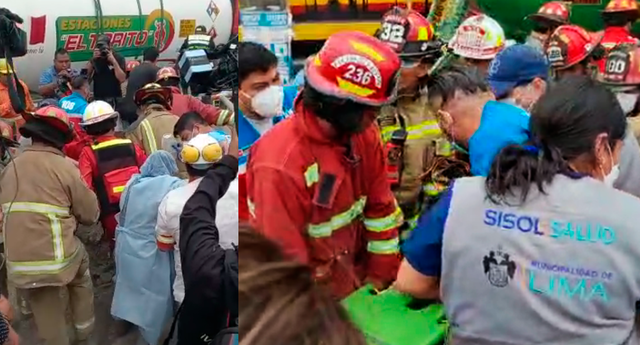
(54, 117)
(408, 33)
(165, 73)
(617, 6)
(569, 45)
(131, 65)
(554, 12)
(353, 65)
(622, 67)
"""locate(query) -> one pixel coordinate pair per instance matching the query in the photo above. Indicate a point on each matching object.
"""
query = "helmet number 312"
(392, 32)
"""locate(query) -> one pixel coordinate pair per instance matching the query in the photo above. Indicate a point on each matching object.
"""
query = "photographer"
(61, 69)
(106, 70)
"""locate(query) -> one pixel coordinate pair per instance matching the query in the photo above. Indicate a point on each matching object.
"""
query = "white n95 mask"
(268, 102)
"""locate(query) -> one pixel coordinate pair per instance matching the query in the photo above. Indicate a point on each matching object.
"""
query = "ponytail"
(518, 167)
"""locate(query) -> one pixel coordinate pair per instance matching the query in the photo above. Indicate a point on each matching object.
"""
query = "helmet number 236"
(392, 32)
(358, 75)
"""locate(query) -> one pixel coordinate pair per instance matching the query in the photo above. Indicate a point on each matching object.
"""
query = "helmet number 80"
(616, 66)
(358, 75)
(391, 32)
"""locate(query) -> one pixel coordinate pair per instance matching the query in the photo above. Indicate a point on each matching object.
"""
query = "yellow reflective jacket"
(424, 142)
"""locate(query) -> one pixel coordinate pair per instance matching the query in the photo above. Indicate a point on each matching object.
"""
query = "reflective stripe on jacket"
(424, 142)
(44, 199)
(340, 217)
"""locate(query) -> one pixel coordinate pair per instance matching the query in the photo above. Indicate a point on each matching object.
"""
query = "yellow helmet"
(97, 111)
(201, 151)
(4, 67)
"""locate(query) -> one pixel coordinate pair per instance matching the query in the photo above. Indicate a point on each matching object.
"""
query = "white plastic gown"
(144, 274)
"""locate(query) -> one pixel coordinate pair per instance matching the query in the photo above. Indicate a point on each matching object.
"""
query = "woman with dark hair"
(544, 239)
(280, 303)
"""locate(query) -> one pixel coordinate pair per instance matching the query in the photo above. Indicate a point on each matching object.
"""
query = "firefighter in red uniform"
(108, 163)
(572, 50)
(618, 17)
(182, 104)
(316, 183)
(545, 22)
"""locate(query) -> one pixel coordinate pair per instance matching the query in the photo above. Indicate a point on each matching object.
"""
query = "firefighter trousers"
(49, 307)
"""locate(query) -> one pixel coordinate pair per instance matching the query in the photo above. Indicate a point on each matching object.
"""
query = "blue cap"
(516, 65)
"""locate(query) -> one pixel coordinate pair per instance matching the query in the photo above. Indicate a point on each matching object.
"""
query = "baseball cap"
(514, 66)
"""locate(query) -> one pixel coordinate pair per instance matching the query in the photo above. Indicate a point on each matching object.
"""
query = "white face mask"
(612, 176)
(268, 102)
(627, 101)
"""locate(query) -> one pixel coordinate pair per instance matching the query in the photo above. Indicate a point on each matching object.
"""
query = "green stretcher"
(391, 318)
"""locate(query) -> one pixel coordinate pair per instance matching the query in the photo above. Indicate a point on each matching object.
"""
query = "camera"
(103, 48)
(13, 40)
(208, 72)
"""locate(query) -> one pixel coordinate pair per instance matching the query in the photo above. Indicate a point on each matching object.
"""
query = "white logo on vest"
(499, 268)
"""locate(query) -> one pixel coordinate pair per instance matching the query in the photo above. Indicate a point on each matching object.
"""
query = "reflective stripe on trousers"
(53, 213)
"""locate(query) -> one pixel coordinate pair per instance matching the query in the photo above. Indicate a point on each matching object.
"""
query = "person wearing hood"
(182, 104)
(549, 16)
(262, 101)
(519, 75)
(471, 117)
(144, 274)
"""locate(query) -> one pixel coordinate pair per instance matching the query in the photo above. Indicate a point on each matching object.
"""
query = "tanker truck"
(132, 25)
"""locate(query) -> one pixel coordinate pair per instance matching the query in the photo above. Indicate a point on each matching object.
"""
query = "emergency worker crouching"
(499, 237)
(409, 128)
(572, 50)
(549, 16)
(316, 183)
(182, 104)
(43, 203)
(107, 164)
(618, 17)
(478, 40)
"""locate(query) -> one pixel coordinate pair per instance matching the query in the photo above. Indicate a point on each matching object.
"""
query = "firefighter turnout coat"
(148, 130)
(328, 206)
(423, 142)
(43, 200)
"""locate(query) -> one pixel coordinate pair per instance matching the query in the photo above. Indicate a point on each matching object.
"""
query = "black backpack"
(229, 334)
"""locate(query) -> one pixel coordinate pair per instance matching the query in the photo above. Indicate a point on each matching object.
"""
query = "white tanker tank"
(133, 25)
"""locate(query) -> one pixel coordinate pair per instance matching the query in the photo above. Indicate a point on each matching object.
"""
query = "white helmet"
(478, 37)
(97, 111)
